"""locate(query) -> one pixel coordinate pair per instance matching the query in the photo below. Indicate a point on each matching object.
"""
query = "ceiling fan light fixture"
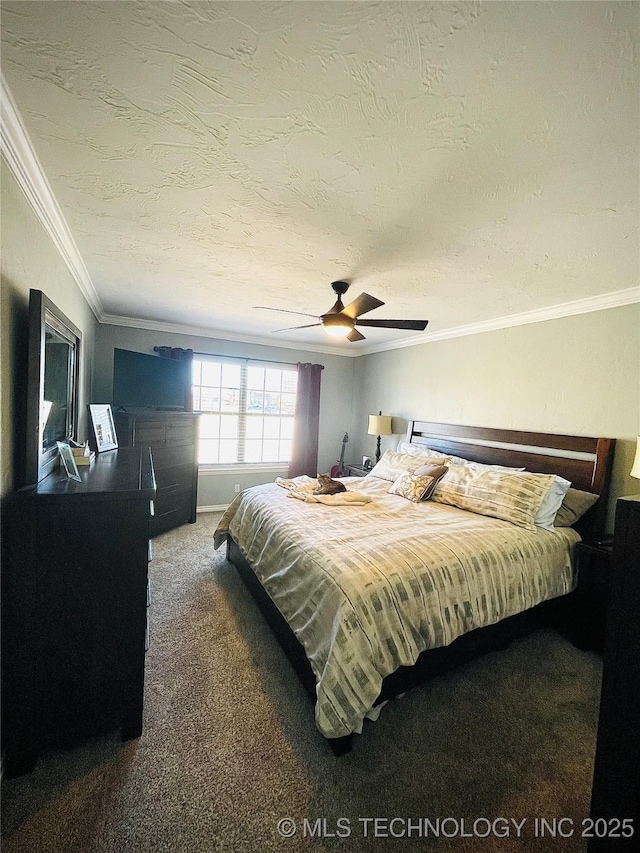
(340, 321)
(337, 325)
(338, 331)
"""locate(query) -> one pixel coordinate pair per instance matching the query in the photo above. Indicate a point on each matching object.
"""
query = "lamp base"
(378, 450)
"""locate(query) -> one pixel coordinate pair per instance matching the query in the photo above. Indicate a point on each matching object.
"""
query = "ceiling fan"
(340, 321)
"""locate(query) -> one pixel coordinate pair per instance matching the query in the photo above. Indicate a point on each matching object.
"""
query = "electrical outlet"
(236, 488)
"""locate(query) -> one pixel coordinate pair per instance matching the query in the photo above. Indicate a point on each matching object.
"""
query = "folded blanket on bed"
(341, 499)
(302, 489)
(301, 484)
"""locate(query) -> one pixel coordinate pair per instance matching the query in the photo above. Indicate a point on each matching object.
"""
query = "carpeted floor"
(229, 746)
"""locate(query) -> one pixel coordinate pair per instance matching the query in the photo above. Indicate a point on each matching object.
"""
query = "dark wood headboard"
(586, 462)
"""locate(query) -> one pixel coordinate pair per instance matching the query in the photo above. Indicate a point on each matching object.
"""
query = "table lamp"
(380, 425)
(635, 468)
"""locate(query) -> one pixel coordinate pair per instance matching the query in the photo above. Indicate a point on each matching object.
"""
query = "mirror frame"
(42, 313)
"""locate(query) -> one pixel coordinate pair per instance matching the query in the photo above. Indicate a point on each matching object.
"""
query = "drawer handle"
(152, 509)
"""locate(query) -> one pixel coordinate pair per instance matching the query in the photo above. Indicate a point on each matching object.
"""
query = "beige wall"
(336, 394)
(577, 375)
(30, 260)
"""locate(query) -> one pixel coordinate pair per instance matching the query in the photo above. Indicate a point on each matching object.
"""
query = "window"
(247, 411)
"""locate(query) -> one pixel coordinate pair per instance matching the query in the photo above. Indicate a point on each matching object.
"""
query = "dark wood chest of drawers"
(74, 605)
(616, 779)
(173, 439)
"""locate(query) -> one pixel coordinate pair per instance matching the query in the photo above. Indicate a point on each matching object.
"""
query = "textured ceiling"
(459, 161)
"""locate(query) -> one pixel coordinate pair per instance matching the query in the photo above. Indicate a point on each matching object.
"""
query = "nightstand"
(616, 776)
(357, 471)
(593, 562)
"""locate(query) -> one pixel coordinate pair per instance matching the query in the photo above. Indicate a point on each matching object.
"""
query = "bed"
(368, 601)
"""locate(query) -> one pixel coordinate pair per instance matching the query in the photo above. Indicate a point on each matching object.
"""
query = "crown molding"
(20, 156)
(217, 334)
(615, 299)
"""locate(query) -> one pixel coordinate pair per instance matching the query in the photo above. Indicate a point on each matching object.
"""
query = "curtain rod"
(243, 358)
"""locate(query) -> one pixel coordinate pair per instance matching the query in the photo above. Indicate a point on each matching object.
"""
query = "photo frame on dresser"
(104, 429)
(68, 461)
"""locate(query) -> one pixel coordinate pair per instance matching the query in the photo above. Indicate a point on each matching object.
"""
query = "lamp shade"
(635, 469)
(381, 425)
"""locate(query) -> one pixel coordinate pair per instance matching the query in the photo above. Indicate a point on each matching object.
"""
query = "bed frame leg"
(340, 745)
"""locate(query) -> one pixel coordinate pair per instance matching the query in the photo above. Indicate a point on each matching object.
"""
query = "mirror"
(53, 379)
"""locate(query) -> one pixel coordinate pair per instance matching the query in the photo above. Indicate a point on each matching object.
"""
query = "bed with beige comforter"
(367, 588)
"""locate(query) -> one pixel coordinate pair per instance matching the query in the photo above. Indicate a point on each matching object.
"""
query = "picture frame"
(104, 429)
(68, 461)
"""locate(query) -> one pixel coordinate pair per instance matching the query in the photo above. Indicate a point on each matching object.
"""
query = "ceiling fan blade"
(284, 310)
(293, 328)
(354, 335)
(414, 325)
(360, 305)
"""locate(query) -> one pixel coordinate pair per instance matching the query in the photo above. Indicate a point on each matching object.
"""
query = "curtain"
(175, 352)
(304, 452)
(179, 354)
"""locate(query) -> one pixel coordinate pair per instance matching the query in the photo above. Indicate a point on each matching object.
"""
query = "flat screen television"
(149, 381)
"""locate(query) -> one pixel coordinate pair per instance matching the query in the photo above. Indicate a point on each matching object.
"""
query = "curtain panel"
(304, 452)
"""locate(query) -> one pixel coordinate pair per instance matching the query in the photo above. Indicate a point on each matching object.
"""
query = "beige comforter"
(367, 588)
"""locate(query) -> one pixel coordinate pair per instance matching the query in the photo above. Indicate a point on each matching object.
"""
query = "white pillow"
(481, 466)
(551, 503)
(418, 450)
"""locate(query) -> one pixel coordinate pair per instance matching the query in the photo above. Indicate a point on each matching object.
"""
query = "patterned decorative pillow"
(514, 497)
(392, 464)
(436, 472)
(574, 505)
(414, 487)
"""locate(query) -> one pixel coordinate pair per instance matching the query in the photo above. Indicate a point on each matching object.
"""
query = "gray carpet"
(229, 745)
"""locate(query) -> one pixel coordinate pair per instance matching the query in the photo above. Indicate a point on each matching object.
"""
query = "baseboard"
(215, 508)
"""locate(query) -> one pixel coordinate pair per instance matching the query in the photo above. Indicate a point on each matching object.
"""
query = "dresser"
(173, 439)
(74, 605)
(616, 780)
(592, 563)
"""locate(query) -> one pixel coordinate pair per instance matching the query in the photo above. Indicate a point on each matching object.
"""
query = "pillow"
(392, 464)
(574, 505)
(436, 472)
(417, 487)
(514, 497)
(458, 460)
(418, 450)
(551, 503)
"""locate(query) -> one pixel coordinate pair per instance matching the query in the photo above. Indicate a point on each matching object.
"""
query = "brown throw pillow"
(574, 505)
